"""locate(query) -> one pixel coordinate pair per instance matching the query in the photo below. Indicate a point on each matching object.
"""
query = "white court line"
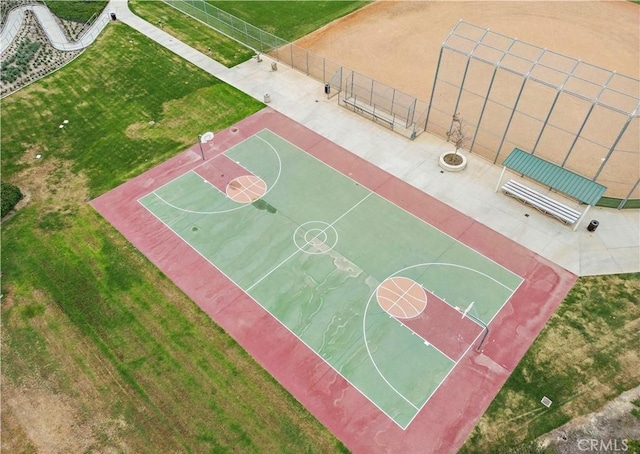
(222, 153)
(398, 206)
(375, 365)
(427, 343)
(366, 344)
(248, 190)
(307, 243)
(193, 171)
(394, 303)
(364, 332)
(293, 333)
(444, 379)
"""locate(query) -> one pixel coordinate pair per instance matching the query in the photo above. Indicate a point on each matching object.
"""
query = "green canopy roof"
(555, 177)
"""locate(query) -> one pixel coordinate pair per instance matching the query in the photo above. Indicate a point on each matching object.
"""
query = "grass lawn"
(588, 353)
(288, 20)
(122, 118)
(100, 343)
(199, 36)
(76, 10)
(100, 350)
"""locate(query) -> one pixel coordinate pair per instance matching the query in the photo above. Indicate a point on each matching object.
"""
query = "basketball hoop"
(204, 138)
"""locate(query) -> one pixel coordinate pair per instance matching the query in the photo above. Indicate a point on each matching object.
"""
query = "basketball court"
(393, 318)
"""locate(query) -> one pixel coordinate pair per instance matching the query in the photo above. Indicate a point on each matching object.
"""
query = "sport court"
(342, 281)
(377, 293)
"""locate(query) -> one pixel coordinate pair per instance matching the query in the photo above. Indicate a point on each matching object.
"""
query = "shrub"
(10, 195)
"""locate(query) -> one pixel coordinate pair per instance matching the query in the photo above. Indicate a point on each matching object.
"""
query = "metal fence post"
(433, 88)
(623, 202)
(324, 70)
(412, 112)
(578, 134)
(371, 96)
(484, 106)
(393, 100)
(615, 143)
(513, 112)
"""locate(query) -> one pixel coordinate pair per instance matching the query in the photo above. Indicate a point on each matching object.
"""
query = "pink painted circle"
(401, 297)
(246, 189)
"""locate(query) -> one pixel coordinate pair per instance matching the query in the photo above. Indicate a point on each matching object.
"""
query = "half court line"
(299, 250)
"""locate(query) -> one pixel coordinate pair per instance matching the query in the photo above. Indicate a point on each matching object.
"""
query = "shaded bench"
(541, 202)
(554, 177)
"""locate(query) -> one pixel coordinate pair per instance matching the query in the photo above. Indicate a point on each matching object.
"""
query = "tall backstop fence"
(510, 94)
(515, 95)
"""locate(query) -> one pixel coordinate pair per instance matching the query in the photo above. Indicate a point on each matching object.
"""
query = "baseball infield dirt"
(398, 43)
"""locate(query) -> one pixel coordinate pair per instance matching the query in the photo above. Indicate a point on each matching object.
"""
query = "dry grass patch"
(586, 355)
(50, 183)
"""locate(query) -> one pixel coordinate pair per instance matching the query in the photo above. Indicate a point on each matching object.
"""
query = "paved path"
(613, 248)
(49, 24)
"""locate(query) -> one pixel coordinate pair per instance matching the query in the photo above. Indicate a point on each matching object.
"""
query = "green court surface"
(313, 250)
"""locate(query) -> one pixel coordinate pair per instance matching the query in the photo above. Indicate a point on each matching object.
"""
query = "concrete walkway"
(50, 26)
(613, 248)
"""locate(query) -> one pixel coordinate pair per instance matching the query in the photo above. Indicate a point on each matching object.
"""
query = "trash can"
(593, 225)
(267, 98)
(113, 16)
(327, 88)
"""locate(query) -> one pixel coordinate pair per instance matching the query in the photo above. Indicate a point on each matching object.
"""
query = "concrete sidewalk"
(613, 248)
(49, 24)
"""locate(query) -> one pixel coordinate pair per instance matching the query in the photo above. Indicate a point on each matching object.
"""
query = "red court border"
(449, 416)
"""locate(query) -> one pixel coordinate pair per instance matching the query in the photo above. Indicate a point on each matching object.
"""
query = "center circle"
(315, 237)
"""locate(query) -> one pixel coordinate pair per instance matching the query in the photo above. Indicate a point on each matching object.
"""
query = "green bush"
(18, 63)
(10, 195)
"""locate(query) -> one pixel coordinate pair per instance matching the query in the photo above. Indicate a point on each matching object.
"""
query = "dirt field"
(398, 43)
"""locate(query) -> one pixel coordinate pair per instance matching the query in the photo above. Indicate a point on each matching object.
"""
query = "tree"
(457, 135)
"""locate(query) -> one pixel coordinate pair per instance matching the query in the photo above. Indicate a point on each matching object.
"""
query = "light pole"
(204, 138)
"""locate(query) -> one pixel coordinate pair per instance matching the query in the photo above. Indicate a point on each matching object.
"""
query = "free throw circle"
(246, 189)
(401, 297)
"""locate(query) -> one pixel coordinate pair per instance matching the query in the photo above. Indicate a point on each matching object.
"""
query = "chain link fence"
(237, 29)
(512, 94)
(361, 94)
